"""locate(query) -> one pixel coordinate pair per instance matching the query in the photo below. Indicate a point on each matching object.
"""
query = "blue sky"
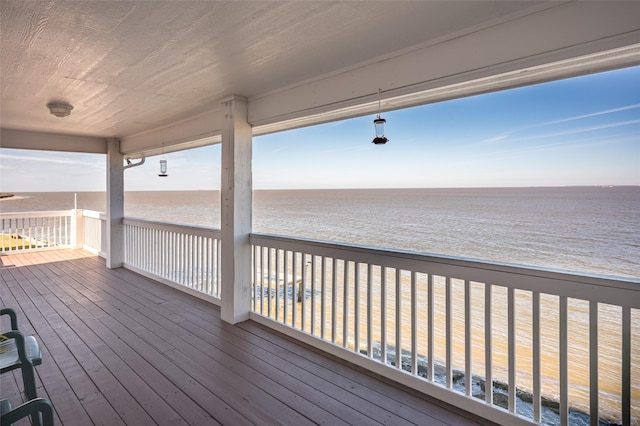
(580, 131)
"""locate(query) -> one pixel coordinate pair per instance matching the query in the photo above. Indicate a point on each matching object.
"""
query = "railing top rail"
(28, 215)
(93, 214)
(620, 291)
(173, 227)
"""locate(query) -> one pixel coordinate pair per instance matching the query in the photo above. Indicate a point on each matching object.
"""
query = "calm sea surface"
(583, 229)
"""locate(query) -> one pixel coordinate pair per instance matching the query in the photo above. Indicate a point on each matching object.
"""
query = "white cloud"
(577, 130)
(593, 114)
(495, 139)
(50, 160)
(508, 135)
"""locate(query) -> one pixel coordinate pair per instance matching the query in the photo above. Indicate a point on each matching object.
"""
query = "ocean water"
(593, 230)
(584, 229)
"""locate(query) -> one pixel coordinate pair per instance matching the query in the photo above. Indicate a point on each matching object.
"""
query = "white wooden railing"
(540, 336)
(37, 230)
(92, 227)
(443, 325)
(185, 255)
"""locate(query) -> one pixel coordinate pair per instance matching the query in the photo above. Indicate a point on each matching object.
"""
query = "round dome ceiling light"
(59, 109)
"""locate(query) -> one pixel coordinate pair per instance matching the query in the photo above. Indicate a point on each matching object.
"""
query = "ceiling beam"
(22, 139)
(201, 130)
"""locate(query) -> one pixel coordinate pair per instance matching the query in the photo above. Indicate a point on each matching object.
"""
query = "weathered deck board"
(119, 348)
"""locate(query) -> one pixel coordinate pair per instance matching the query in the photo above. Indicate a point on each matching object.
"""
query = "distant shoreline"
(11, 197)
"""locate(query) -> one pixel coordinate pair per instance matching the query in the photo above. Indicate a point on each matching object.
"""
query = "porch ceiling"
(156, 72)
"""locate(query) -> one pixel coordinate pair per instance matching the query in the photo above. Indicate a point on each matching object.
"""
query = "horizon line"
(344, 188)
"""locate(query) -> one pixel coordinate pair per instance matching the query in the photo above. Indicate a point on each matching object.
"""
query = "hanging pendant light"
(379, 123)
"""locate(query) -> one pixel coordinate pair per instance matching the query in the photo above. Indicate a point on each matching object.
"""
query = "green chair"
(38, 408)
(23, 352)
(31, 345)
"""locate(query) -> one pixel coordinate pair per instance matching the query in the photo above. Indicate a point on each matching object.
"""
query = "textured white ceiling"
(128, 67)
(153, 73)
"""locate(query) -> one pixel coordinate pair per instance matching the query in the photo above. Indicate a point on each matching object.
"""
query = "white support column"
(236, 194)
(77, 227)
(115, 205)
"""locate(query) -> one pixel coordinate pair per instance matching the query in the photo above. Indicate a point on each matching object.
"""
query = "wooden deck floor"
(119, 348)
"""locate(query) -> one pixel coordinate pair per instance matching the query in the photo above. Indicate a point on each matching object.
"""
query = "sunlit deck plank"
(122, 349)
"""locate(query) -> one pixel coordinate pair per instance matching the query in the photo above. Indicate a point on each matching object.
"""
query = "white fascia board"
(201, 130)
(22, 139)
(549, 36)
(391, 100)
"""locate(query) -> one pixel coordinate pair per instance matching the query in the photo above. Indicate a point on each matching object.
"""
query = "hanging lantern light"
(379, 123)
(380, 139)
(163, 168)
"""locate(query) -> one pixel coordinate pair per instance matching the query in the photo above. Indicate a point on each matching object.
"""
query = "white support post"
(115, 205)
(77, 225)
(236, 193)
(77, 228)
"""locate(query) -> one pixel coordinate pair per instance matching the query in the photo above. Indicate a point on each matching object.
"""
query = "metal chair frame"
(38, 408)
(21, 352)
